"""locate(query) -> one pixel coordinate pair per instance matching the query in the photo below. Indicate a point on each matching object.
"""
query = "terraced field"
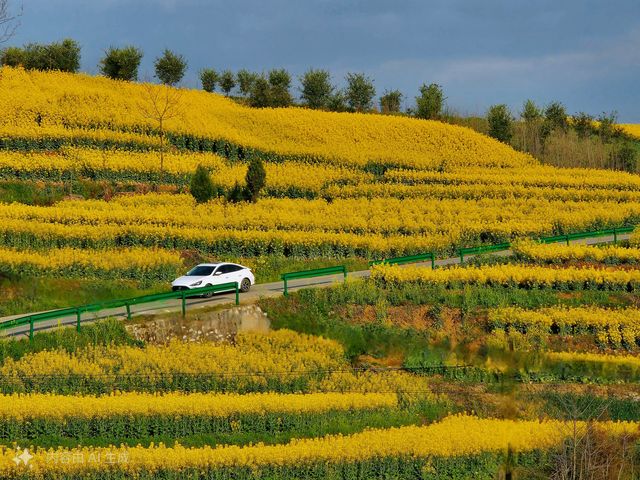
(494, 367)
(338, 185)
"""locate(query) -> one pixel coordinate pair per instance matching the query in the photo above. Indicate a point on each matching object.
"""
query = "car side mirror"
(217, 273)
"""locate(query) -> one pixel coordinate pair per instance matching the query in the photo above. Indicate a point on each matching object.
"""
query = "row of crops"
(119, 243)
(338, 185)
(38, 105)
(290, 405)
(314, 414)
(471, 444)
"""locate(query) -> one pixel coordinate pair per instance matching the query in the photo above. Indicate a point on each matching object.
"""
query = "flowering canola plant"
(133, 263)
(52, 407)
(455, 436)
(296, 227)
(615, 327)
(54, 99)
(178, 167)
(623, 360)
(512, 275)
(561, 253)
(281, 361)
(337, 184)
(632, 129)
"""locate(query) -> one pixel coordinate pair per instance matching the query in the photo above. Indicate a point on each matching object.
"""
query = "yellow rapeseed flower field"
(338, 184)
(132, 166)
(282, 361)
(455, 436)
(132, 263)
(629, 362)
(632, 129)
(511, 275)
(610, 326)
(560, 253)
(307, 228)
(58, 407)
(58, 100)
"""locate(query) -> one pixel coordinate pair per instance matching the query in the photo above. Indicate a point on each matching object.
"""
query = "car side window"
(223, 269)
(234, 268)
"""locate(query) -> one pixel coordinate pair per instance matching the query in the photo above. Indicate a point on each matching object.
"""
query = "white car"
(207, 274)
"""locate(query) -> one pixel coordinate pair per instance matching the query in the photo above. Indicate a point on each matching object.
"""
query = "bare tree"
(161, 103)
(9, 21)
(589, 452)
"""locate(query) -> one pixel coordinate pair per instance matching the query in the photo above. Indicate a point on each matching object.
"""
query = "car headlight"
(196, 284)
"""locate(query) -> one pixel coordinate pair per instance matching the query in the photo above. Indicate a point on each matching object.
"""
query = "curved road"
(258, 291)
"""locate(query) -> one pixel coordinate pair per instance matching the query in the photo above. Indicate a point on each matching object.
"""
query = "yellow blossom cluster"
(282, 361)
(512, 275)
(367, 227)
(253, 359)
(55, 99)
(561, 253)
(54, 407)
(288, 177)
(472, 192)
(615, 327)
(134, 263)
(632, 129)
(631, 363)
(365, 185)
(455, 436)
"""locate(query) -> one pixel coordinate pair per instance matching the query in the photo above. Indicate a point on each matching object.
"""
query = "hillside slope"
(41, 103)
(340, 186)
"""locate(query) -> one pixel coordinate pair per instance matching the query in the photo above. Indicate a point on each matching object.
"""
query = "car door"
(235, 273)
(222, 274)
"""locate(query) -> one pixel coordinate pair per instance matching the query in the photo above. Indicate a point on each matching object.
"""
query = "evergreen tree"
(556, 117)
(256, 179)
(202, 187)
(236, 194)
(500, 123)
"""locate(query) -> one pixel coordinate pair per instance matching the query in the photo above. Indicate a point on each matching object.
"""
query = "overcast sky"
(584, 53)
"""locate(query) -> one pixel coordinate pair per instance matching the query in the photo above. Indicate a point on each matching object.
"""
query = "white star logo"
(24, 457)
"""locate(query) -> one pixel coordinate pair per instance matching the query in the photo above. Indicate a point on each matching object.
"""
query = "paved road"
(258, 291)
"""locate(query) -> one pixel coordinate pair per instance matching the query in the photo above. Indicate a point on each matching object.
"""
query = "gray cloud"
(583, 52)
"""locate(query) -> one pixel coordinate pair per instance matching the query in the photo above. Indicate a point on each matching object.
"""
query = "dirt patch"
(72, 196)
(191, 257)
(416, 317)
(393, 360)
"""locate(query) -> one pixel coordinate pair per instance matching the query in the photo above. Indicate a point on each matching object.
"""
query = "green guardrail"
(32, 320)
(582, 235)
(318, 272)
(567, 238)
(408, 259)
(483, 249)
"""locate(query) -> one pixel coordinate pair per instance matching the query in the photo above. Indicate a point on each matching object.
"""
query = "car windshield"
(201, 271)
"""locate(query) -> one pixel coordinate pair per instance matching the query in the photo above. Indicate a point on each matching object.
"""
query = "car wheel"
(208, 294)
(245, 285)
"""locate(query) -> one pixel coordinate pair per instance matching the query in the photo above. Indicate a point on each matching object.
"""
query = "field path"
(261, 290)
